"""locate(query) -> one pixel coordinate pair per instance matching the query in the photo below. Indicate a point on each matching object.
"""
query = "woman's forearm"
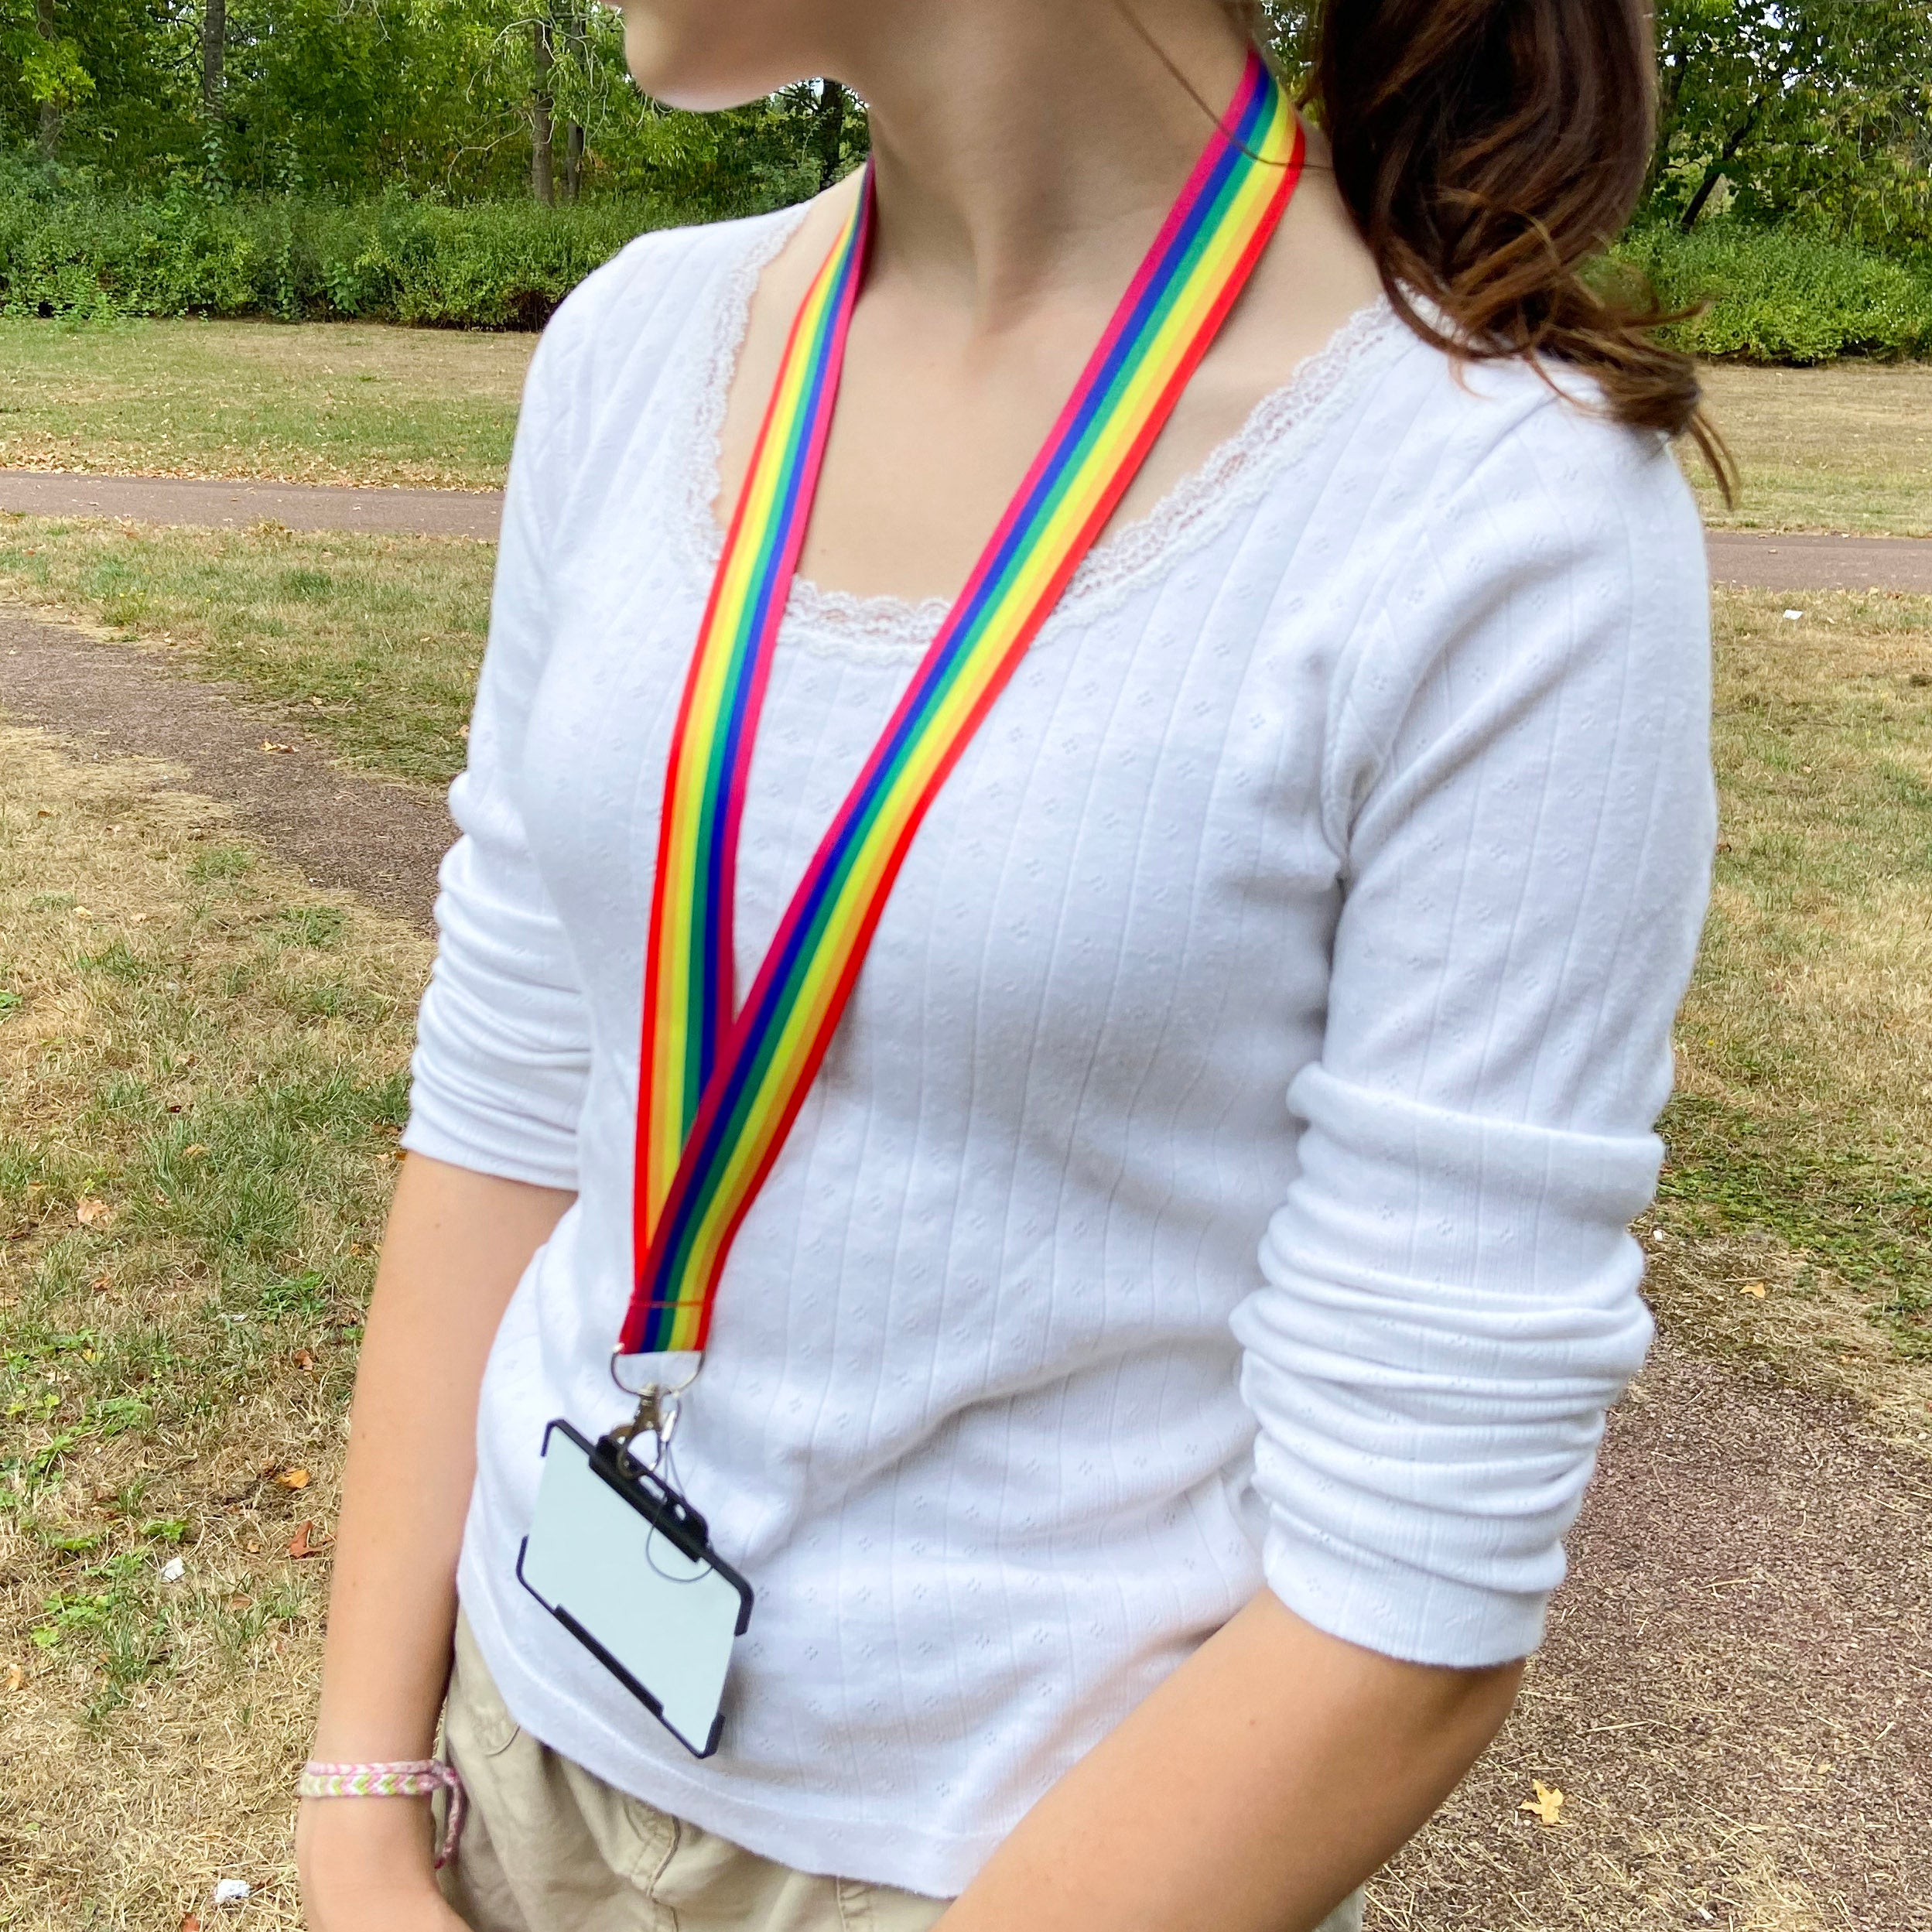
(1263, 1781)
(455, 1245)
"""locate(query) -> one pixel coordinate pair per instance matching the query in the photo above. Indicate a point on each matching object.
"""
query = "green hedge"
(1768, 295)
(490, 265)
(1772, 295)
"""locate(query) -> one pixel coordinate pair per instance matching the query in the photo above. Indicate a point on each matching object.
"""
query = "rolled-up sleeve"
(502, 1050)
(1520, 792)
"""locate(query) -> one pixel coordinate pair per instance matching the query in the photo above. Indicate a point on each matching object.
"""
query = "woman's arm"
(1257, 1787)
(1519, 794)
(457, 1244)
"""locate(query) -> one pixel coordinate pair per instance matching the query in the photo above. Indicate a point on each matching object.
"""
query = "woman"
(1104, 1574)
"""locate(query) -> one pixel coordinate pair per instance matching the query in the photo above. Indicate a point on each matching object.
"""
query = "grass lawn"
(306, 402)
(373, 641)
(202, 1075)
(1796, 1211)
(1800, 1164)
(1847, 447)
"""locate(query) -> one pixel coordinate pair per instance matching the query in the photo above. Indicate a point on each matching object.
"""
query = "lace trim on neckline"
(890, 630)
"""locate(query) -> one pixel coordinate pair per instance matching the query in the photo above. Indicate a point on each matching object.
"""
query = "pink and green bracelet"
(412, 1778)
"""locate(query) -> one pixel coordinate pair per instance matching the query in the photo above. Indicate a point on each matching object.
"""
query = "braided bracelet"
(412, 1778)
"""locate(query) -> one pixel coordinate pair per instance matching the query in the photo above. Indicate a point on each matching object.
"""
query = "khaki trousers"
(549, 1848)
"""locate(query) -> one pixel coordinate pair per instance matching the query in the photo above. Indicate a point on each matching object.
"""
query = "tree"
(827, 131)
(53, 74)
(1813, 110)
(214, 32)
(542, 111)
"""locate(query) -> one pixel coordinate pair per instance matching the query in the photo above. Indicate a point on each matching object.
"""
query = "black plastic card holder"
(625, 1564)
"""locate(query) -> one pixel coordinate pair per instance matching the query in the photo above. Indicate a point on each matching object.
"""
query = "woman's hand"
(367, 1864)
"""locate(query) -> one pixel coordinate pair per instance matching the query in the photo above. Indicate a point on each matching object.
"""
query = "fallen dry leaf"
(92, 1213)
(269, 744)
(15, 1677)
(188, 1153)
(188, 1923)
(293, 1478)
(304, 1358)
(305, 1543)
(1752, 1288)
(1547, 1806)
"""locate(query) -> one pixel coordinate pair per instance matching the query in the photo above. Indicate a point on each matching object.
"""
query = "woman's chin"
(685, 65)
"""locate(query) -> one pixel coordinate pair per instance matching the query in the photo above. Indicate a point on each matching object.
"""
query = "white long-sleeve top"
(1220, 1177)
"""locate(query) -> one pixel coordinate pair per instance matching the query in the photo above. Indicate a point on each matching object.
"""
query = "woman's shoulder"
(1492, 520)
(1535, 436)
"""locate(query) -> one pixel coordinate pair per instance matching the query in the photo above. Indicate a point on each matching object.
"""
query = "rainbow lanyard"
(719, 1093)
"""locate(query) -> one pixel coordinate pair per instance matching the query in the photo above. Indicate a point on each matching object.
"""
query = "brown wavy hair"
(1488, 149)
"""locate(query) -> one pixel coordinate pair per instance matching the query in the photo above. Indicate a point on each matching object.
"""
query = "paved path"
(1754, 558)
(1769, 560)
(1736, 1696)
(436, 513)
(381, 840)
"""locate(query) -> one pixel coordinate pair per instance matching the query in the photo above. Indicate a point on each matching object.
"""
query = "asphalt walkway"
(1756, 559)
(381, 839)
(238, 503)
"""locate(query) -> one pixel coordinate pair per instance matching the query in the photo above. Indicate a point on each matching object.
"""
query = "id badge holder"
(625, 1564)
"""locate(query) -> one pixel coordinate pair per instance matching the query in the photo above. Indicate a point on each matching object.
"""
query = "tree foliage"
(349, 98)
(1818, 111)
(1815, 112)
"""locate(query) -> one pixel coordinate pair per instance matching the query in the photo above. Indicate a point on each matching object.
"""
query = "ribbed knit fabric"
(1221, 1174)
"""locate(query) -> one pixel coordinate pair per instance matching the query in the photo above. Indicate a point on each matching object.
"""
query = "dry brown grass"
(373, 641)
(304, 402)
(154, 1378)
(201, 1065)
(1796, 1210)
(1847, 447)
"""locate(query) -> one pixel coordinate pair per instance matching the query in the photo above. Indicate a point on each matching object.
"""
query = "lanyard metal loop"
(659, 1405)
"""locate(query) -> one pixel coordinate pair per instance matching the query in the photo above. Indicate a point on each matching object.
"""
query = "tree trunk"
(542, 102)
(1714, 173)
(49, 111)
(1671, 84)
(577, 51)
(827, 131)
(214, 35)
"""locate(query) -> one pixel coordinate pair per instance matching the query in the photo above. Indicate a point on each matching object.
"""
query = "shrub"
(1778, 295)
(491, 266)
(1768, 295)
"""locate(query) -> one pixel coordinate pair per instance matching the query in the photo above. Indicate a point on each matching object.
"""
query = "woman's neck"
(1023, 151)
